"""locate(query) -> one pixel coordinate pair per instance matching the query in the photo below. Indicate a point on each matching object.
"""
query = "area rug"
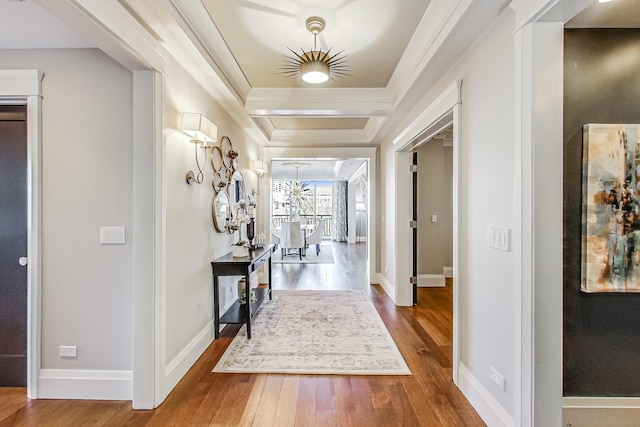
(315, 332)
(324, 257)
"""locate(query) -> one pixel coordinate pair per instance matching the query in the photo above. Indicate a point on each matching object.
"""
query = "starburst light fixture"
(315, 66)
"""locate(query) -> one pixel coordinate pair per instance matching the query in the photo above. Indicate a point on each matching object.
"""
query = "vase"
(251, 231)
(239, 251)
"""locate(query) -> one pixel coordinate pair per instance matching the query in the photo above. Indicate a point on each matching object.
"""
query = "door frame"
(442, 113)
(335, 153)
(22, 87)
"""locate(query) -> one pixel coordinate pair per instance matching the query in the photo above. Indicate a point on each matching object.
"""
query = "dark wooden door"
(13, 245)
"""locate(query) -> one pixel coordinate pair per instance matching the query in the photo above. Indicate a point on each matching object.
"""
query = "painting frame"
(610, 208)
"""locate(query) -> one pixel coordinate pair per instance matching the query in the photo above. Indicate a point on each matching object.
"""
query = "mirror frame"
(214, 211)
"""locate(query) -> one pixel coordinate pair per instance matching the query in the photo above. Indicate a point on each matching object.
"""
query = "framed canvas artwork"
(611, 208)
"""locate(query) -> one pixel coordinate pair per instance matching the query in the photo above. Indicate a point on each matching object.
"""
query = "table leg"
(247, 305)
(269, 284)
(216, 307)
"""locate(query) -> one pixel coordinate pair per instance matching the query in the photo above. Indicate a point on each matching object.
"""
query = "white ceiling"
(319, 169)
(396, 51)
(390, 45)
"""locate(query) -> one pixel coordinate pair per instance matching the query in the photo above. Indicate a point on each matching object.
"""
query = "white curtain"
(339, 229)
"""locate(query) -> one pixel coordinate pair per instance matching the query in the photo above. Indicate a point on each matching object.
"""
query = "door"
(414, 225)
(13, 245)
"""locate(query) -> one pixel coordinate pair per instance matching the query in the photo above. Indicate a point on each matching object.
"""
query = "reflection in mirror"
(221, 211)
(236, 188)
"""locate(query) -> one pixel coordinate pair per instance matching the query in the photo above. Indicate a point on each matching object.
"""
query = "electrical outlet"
(497, 378)
(69, 351)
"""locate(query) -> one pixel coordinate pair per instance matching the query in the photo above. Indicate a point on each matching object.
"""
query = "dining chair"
(315, 238)
(291, 238)
(275, 236)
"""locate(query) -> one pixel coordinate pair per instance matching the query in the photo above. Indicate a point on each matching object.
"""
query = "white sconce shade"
(199, 128)
(260, 167)
(204, 133)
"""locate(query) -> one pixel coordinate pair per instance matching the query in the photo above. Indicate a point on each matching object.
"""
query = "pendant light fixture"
(315, 66)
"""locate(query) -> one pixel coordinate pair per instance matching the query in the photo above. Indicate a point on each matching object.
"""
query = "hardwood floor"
(202, 398)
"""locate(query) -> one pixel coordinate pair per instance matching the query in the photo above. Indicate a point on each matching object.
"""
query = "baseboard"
(431, 281)
(387, 286)
(82, 384)
(489, 409)
(180, 365)
(448, 272)
(599, 411)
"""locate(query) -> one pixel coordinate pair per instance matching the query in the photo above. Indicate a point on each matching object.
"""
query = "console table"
(227, 265)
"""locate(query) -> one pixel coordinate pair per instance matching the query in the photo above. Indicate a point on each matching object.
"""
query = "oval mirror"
(236, 188)
(221, 211)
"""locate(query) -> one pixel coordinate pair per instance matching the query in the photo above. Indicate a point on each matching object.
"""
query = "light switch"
(434, 218)
(112, 236)
(499, 238)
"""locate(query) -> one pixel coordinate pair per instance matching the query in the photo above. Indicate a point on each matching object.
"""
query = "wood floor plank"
(268, 405)
(306, 407)
(251, 405)
(204, 398)
(286, 412)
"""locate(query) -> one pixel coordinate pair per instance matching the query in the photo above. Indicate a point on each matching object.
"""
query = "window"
(318, 206)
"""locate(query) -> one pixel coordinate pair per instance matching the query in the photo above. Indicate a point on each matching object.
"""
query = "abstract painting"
(611, 208)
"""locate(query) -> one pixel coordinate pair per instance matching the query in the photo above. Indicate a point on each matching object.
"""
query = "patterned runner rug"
(315, 332)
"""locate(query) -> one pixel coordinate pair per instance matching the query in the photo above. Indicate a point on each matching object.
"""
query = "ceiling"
(324, 169)
(396, 51)
(389, 46)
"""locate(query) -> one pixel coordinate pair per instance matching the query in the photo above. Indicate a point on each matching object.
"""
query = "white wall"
(191, 239)
(486, 280)
(87, 183)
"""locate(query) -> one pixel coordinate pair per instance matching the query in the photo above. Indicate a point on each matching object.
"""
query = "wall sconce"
(261, 169)
(204, 134)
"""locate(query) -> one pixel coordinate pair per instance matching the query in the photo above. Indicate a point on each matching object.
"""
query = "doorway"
(445, 112)
(366, 157)
(433, 205)
(13, 245)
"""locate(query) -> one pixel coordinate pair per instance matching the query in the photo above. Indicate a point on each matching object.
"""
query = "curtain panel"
(339, 210)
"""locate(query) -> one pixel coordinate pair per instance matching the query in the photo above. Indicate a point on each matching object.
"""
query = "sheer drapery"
(339, 229)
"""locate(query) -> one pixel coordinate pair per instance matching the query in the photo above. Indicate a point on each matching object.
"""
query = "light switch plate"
(112, 236)
(434, 218)
(499, 238)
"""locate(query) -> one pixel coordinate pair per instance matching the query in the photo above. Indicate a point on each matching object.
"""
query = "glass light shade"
(259, 166)
(314, 72)
(199, 128)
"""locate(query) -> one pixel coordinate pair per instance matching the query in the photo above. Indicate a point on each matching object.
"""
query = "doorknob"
(23, 261)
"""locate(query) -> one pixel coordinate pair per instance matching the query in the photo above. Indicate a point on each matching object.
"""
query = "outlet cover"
(112, 236)
(69, 351)
(497, 378)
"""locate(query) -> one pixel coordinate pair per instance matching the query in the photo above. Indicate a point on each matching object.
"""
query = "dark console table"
(227, 265)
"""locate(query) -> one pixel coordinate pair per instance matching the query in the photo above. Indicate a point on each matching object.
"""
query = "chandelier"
(315, 66)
